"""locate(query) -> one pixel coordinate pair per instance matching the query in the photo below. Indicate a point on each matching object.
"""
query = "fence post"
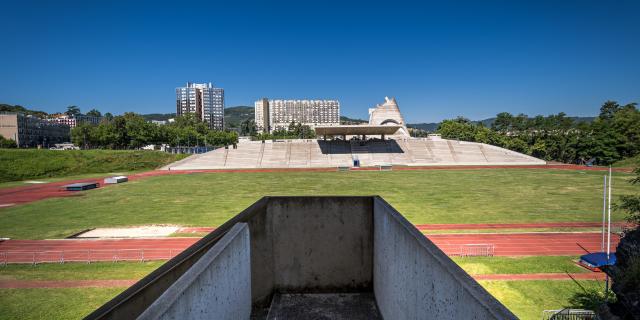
(142, 255)
(88, 256)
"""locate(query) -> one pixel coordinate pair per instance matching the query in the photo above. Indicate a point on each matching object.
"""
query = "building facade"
(203, 100)
(74, 120)
(388, 113)
(29, 131)
(278, 114)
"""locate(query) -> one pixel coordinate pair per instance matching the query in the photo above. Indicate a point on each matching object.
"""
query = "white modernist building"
(278, 114)
(203, 100)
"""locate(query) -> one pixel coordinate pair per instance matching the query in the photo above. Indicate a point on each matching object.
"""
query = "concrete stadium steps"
(245, 157)
(276, 155)
(326, 154)
(300, 155)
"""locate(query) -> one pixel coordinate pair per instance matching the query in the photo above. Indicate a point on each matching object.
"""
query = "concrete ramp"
(309, 257)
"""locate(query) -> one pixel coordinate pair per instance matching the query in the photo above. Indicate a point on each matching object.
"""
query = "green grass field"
(22, 164)
(68, 303)
(527, 299)
(429, 196)
(519, 265)
(79, 271)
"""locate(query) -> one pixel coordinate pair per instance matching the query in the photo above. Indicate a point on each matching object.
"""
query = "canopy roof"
(356, 130)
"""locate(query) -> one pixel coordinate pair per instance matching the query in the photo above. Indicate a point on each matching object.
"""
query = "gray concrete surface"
(311, 245)
(413, 279)
(324, 306)
(216, 287)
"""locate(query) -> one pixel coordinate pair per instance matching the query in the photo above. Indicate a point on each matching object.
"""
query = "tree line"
(612, 136)
(132, 131)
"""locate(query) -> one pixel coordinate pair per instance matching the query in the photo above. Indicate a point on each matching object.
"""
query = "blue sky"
(439, 60)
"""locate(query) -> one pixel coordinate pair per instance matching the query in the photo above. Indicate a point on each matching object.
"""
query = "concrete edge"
(168, 298)
(155, 280)
(492, 304)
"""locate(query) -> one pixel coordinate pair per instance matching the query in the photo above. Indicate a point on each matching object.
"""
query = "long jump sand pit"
(130, 232)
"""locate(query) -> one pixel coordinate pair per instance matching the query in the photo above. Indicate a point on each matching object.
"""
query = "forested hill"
(433, 126)
(234, 116)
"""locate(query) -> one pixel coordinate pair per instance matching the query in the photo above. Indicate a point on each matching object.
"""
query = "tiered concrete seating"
(317, 153)
(380, 152)
(441, 152)
(245, 156)
(275, 155)
(299, 157)
(469, 153)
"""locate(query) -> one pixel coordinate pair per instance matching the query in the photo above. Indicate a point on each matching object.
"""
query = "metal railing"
(476, 250)
(88, 256)
(569, 314)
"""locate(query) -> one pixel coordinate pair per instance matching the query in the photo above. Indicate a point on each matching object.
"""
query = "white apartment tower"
(278, 114)
(203, 100)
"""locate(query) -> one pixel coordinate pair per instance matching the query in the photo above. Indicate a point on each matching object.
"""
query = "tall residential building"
(278, 114)
(203, 100)
(30, 131)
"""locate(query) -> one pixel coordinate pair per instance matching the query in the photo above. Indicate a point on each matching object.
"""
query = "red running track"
(520, 244)
(478, 226)
(26, 194)
(526, 244)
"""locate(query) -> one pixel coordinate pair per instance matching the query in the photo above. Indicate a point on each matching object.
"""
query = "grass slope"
(632, 162)
(429, 196)
(527, 299)
(21, 164)
(518, 265)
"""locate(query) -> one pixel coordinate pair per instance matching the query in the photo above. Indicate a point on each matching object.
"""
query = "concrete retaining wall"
(217, 286)
(413, 279)
(311, 244)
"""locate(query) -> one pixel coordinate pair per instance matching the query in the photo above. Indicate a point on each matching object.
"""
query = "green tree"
(94, 113)
(72, 111)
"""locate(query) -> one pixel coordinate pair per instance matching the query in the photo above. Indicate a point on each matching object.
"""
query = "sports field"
(428, 196)
(209, 199)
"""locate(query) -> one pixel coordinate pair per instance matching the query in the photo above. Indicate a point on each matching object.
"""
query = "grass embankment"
(21, 164)
(632, 162)
(519, 265)
(429, 196)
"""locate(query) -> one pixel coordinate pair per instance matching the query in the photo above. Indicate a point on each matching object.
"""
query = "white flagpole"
(604, 210)
(609, 218)
(608, 235)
